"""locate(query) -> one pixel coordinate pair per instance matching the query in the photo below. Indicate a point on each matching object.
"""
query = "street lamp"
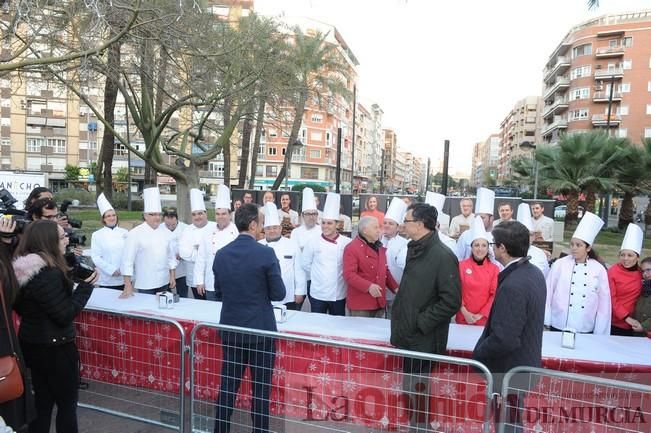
(531, 146)
(297, 144)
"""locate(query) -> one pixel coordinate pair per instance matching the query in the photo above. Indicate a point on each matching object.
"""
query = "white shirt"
(292, 215)
(106, 250)
(206, 254)
(302, 235)
(448, 242)
(323, 260)
(539, 259)
(457, 221)
(578, 296)
(189, 247)
(545, 226)
(148, 257)
(289, 257)
(181, 268)
(396, 259)
(347, 223)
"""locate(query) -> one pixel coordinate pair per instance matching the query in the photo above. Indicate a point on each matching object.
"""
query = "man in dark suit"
(247, 279)
(513, 334)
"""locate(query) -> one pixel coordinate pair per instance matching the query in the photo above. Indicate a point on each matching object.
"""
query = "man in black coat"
(513, 334)
(247, 279)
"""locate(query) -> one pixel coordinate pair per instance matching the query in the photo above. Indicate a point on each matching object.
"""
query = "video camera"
(64, 213)
(8, 210)
(82, 266)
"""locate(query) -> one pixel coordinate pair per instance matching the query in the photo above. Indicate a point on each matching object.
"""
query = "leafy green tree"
(632, 179)
(72, 173)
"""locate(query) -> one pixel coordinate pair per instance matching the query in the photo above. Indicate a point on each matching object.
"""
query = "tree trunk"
(572, 213)
(259, 124)
(296, 127)
(590, 200)
(108, 139)
(246, 146)
(183, 186)
(626, 214)
(647, 215)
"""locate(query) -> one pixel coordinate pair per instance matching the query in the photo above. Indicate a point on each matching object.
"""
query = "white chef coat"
(289, 257)
(538, 259)
(292, 215)
(448, 242)
(458, 221)
(106, 250)
(578, 296)
(302, 235)
(148, 257)
(181, 268)
(396, 259)
(323, 260)
(208, 247)
(444, 223)
(189, 247)
(545, 226)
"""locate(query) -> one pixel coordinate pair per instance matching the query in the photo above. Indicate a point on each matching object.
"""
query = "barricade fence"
(542, 400)
(132, 366)
(248, 380)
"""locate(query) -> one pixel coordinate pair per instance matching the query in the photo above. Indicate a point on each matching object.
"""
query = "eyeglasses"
(644, 271)
(311, 213)
(410, 221)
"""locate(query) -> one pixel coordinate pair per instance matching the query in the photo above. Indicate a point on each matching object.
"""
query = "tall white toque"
(478, 231)
(524, 216)
(196, 200)
(633, 239)
(103, 204)
(151, 196)
(485, 201)
(271, 217)
(223, 200)
(588, 228)
(331, 207)
(308, 202)
(397, 210)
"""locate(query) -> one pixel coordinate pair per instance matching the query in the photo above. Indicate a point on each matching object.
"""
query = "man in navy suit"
(247, 279)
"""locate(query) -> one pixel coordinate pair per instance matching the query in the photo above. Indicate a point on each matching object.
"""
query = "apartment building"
(601, 66)
(368, 148)
(521, 124)
(485, 159)
(388, 178)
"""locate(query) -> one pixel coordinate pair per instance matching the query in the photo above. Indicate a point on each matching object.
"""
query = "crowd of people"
(411, 264)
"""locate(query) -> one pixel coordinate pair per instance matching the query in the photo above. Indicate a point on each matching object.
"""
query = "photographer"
(37, 193)
(48, 304)
(45, 209)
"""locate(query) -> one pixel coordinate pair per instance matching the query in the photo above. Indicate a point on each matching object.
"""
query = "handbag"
(11, 379)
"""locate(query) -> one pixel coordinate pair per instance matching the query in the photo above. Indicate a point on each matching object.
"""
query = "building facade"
(485, 159)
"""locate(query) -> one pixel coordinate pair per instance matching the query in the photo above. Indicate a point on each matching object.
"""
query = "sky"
(448, 69)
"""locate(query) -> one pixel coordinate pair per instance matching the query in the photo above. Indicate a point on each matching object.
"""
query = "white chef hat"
(196, 200)
(223, 200)
(633, 239)
(485, 201)
(103, 204)
(588, 228)
(478, 231)
(271, 217)
(151, 196)
(435, 199)
(331, 207)
(308, 202)
(524, 216)
(396, 211)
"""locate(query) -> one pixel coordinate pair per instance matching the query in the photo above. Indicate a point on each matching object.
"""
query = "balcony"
(613, 73)
(605, 96)
(606, 52)
(557, 124)
(560, 83)
(558, 106)
(602, 120)
(561, 65)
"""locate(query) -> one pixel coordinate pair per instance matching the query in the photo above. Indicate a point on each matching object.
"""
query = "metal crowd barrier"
(307, 384)
(132, 366)
(541, 400)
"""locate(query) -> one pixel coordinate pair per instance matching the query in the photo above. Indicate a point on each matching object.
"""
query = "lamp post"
(297, 144)
(531, 146)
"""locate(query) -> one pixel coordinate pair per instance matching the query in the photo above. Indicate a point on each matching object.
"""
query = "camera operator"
(40, 192)
(45, 209)
(48, 304)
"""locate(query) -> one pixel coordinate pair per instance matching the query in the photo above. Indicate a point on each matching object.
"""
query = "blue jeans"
(334, 308)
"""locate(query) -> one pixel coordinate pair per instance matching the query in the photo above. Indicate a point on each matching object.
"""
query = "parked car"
(561, 211)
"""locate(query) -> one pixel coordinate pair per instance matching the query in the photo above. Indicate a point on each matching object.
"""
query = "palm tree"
(318, 72)
(632, 178)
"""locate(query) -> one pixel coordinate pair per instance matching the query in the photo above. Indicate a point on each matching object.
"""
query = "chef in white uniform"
(191, 238)
(177, 228)
(484, 208)
(223, 233)
(323, 260)
(149, 256)
(538, 256)
(289, 257)
(107, 246)
(578, 295)
(438, 201)
(309, 227)
(395, 244)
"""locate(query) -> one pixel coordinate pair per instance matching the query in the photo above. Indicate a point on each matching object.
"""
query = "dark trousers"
(259, 355)
(164, 288)
(182, 287)
(196, 294)
(55, 378)
(334, 308)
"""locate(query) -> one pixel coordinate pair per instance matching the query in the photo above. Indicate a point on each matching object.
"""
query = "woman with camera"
(48, 303)
(107, 245)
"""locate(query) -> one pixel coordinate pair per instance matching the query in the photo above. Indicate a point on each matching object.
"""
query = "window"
(580, 114)
(329, 136)
(625, 87)
(315, 154)
(622, 110)
(648, 86)
(258, 170)
(216, 168)
(260, 150)
(622, 133)
(627, 42)
(313, 172)
(273, 133)
(613, 43)
(283, 151)
(272, 151)
(316, 136)
(581, 71)
(627, 64)
(34, 144)
(271, 170)
(647, 132)
(58, 145)
(581, 93)
(648, 108)
(582, 50)
(317, 118)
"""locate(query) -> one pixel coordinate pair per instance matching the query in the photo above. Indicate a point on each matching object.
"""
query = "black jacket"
(428, 297)
(513, 334)
(47, 302)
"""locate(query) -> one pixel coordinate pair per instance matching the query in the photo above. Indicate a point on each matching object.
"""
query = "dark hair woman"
(48, 305)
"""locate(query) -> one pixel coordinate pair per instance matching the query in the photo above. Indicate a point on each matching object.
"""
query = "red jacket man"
(366, 272)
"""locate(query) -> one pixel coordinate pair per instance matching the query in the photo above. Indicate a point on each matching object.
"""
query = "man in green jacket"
(428, 297)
